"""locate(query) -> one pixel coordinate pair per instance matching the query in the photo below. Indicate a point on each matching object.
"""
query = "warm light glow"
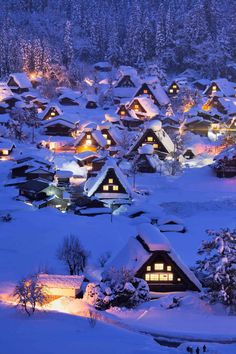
(155, 146)
(136, 107)
(148, 268)
(175, 86)
(159, 277)
(88, 142)
(145, 91)
(110, 180)
(5, 152)
(53, 114)
(105, 136)
(171, 90)
(105, 188)
(149, 138)
(108, 142)
(158, 266)
(115, 188)
(122, 113)
(169, 268)
(214, 88)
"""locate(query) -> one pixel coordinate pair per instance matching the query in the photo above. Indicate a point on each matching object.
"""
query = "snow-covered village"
(118, 177)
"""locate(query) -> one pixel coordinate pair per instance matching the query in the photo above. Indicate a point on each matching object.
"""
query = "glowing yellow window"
(145, 91)
(179, 279)
(149, 138)
(5, 152)
(108, 142)
(158, 266)
(214, 88)
(155, 146)
(105, 188)
(110, 180)
(174, 86)
(136, 107)
(122, 113)
(171, 90)
(88, 136)
(164, 277)
(148, 268)
(170, 277)
(115, 188)
(88, 142)
(169, 268)
(154, 276)
(105, 135)
(147, 276)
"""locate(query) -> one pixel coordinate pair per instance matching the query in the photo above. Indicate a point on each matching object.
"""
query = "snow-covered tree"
(217, 267)
(33, 121)
(17, 123)
(29, 294)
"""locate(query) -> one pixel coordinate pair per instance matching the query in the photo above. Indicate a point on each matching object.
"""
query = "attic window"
(175, 86)
(110, 180)
(88, 142)
(105, 188)
(136, 107)
(104, 135)
(115, 188)
(148, 268)
(145, 91)
(158, 266)
(88, 136)
(214, 88)
(108, 142)
(122, 113)
(171, 90)
(169, 268)
(149, 138)
(53, 113)
(155, 146)
(5, 152)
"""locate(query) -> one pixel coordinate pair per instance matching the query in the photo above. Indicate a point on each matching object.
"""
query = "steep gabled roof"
(148, 105)
(93, 183)
(58, 120)
(225, 86)
(61, 281)
(21, 80)
(96, 134)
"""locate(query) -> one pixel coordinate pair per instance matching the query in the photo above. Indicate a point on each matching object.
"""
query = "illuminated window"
(164, 277)
(174, 86)
(154, 276)
(122, 113)
(214, 88)
(177, 91)
(145, 91)
(110, 180)
(105, 188)
(105, 135)
(5, 152)
(147, 277)
(171, 90)
(169, 268)
(88, 142)
(149, 138)
(170, 277)
(148, 268)
(155, 146)
(53, 114)
(158, 266)
(88, 136)
(178, 279)
(136, 107)
(115, 188)
(108, 142)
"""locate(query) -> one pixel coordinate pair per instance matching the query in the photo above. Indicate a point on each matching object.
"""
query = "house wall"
(111, 175)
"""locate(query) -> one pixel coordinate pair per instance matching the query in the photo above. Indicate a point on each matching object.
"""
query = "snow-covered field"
(29, 242)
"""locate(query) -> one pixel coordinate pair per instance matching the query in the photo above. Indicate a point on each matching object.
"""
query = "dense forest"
(175, 34)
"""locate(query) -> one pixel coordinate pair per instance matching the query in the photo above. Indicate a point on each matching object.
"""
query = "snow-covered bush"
(29, 293)
(118, 288)
(6, 218)
(217, 268)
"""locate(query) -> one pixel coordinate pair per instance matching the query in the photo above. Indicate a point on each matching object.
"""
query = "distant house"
(51, 112)
(123, 111)
(19, 83)
(146, 161)
(188, 154)
(224, 105)
(85, 159)
(126, 84)
(58, 126)
(56, 286)
(198, 125)
(41, 172)
(92, 102)
(111, 134)
(223, 86)
(39, 190)
(90, 140)
(63, 178)
(173, 89)
(150, 256)
(69, 98)
(103, 66)
(109, 184)
(154, 135)
(171, 125)
(6, 147)
(26, 163)
(155, 92)
(144, 107)
(12, 100)
(225, 163)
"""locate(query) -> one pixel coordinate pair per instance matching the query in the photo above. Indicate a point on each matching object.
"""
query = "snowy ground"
(29, 243)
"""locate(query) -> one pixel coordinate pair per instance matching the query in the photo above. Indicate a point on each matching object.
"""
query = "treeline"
(176, 34)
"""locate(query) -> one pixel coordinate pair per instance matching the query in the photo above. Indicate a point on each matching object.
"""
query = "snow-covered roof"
(6, 144)
(96, 134)
(50, 106)
(146, 150)
(153, 238)
(85, 155)
(61, 281)
(58, 120)
(229, 103)
(21, 80)
(229, 153)
(148, 105)
(93, 183)
(225, 86)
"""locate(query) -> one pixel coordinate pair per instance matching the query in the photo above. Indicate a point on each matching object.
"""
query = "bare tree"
(29, 293)
(103, 259)
(73, 255)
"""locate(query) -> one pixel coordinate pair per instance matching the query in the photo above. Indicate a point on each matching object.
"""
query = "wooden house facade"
(90, 140)
(51, 112)
(173, 89)
(150, 256)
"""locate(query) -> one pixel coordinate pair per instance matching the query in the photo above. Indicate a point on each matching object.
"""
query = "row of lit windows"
(159, 276)
(106, 187)
(159, 266)
(171, 91)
